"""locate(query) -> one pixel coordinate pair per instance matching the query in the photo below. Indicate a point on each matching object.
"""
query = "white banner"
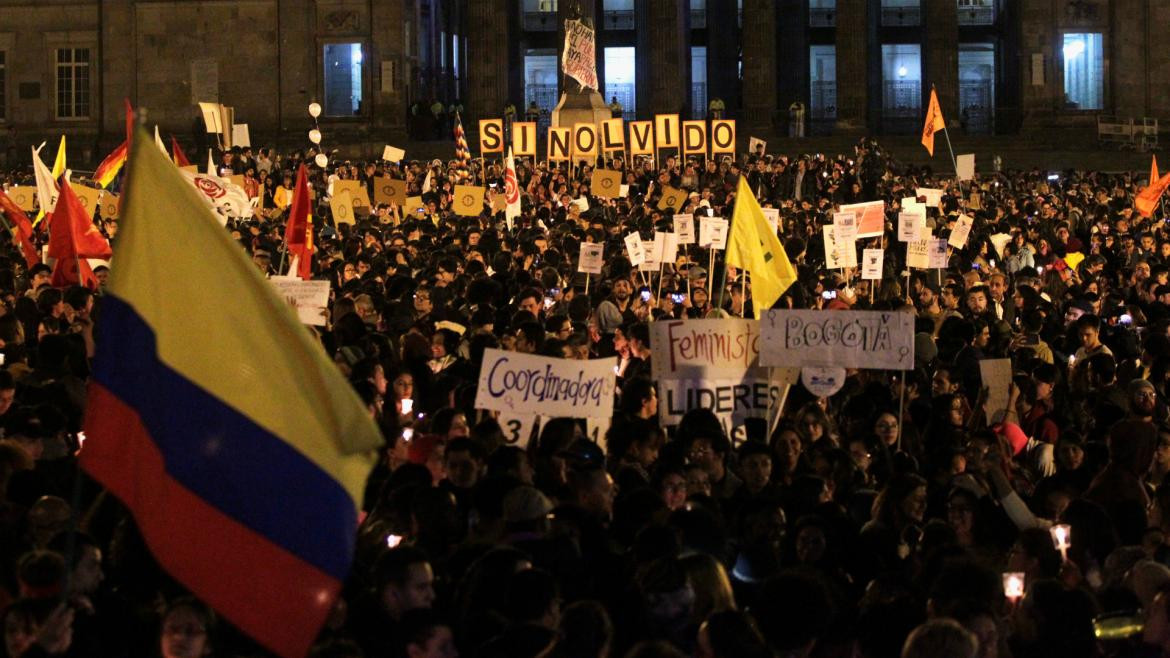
(523, 383)
(579, 60)
(877, 340)
(713, 364)
(308, 298)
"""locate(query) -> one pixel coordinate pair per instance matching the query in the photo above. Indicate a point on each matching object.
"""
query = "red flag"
(298, 235)
(177, 153)
(22, 227)
(129, 121)
(1147, 199)
(72, 232)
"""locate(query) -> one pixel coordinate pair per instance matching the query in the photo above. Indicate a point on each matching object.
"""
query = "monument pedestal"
(585, 106)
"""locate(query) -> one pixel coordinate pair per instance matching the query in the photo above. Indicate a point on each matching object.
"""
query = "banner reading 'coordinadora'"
(877, 340)
(523, 383)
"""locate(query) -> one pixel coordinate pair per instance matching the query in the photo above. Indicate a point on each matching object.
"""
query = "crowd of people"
(876, 522)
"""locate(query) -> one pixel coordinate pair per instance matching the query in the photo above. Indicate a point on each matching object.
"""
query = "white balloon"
(314, 110)
(322, 160)
(315, 136)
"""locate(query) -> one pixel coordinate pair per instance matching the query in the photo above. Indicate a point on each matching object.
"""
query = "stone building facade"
(999, 66)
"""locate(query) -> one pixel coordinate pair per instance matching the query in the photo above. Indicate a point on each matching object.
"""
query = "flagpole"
(947, 134)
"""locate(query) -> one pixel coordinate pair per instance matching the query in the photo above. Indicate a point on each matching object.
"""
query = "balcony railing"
(618, 19)
(540, 21)
(822, 17)
(977, 15)
(902, 99)
(823, 100)
(901, 16)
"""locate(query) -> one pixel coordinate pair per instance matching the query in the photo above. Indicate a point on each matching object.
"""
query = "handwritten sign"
(872, 262)
(965, 164)
(392, 153)
(684, 229)
(959, 234)
(877, 340)
(932, 196)
(523, 383)
(308, 298)
(579, 60)
(591, 259)
(937, 253)
(517, 428)
(772, 216)
(713, 232)
(634, 249)
(917, 254)
(837, 255)
(712, 364)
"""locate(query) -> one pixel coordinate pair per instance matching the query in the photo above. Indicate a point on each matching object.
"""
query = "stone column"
(852, 66)
(759, 67)
(389, 81)
(299, 77)
(793, 51)
(723, 37)
(666, 76)
(941, 57)
(487, 62)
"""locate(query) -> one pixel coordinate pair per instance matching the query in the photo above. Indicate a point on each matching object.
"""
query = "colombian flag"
(214, 416)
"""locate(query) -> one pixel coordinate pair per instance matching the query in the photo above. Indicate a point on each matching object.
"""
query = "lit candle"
(1013, 585)
(1060, 538)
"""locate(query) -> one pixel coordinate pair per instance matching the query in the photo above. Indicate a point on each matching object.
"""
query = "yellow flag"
(59, 163)
(753, 246)
(934, 122)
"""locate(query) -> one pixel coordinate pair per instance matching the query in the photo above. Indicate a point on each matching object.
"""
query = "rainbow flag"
(462, 153)
(108, 170)
(217, 419)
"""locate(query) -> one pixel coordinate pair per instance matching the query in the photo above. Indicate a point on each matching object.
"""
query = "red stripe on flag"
(273, 596)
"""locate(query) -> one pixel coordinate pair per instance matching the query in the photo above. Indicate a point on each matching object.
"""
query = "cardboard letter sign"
(468, 200)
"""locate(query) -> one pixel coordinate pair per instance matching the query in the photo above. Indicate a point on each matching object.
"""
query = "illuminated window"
(1084, 75)
(343, 79)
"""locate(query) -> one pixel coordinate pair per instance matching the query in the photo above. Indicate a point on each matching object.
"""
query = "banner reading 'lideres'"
(878, 340)
(523, 383)
(712, 364)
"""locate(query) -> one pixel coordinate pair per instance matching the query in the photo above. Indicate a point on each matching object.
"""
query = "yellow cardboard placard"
(606, 184)
(613, 135)
(24, 196)
(559, 143)
(584, 140)
(389, 190)
(491, 136)
(694, 137)
(468, 201)
(672, 199)
(666, 131)
(722, 136)
(641, 138)
(341, 204)
(88, 196)
(110, 207)
(356, 190)
(524, 138)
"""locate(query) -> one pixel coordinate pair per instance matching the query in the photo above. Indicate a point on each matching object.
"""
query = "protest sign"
(361, 197)
(757, 146)
(880, 340)
(722, 136)
(837, 255)
(624, 191)
(591, 260)
(845, 228)
(641, 138)
(491, 136)
(613, 136)
(634, 249)
(822, 382)
(468, 200)
(524, 138)
(712, 364)
(871, 218)
(22, 196)
(672, 199)
(584, 140)
(937, 253)
(309, 299)
(694, 137)
(669, 252)
(911, 226)
(517, 428)
(414, 204)
(872, 262)
(606, 184)
(579, 60)
(962, 229)
(996, 375)
(713, 232)
(110, 208)
(917, 254)
(684, 229)
(772, 216)
(1000, 241)
(559, 143)
(341, 204)
(240, 135)
(932, 197)
(525, 383)
(392, 153)
(389, 190)
(666, 131)
(965, 166)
